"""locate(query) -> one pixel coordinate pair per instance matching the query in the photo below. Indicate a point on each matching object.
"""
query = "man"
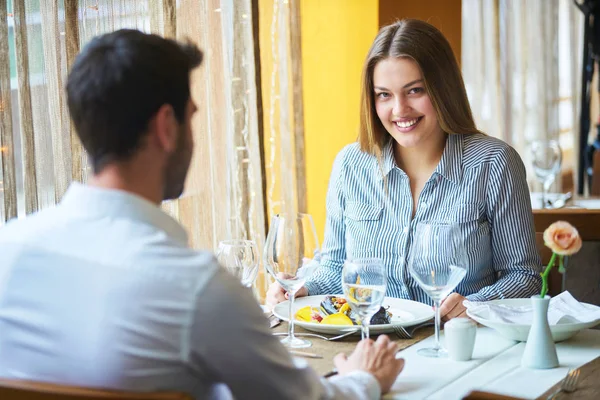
(103, 290)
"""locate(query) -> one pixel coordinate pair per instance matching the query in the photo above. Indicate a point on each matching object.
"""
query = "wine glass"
(436, 262)
(291, 256)
(240, 258)
(547, 157)
(364, 282)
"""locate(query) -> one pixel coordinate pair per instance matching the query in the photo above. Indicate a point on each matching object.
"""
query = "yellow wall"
(336, 35)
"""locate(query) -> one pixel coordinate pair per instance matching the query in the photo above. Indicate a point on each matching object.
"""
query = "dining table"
(494, 371)
(564, 201)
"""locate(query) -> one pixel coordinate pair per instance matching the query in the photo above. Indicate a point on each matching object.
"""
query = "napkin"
(563, 309)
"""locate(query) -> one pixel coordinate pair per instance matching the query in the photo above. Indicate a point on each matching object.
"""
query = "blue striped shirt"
(479, 183)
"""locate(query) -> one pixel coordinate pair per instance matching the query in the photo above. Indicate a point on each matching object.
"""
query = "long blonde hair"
(443, 81)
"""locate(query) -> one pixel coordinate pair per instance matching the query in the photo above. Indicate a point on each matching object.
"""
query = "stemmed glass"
(547, 157)
(437, 263)
(240, 258)
(291, 256)
(364, 282)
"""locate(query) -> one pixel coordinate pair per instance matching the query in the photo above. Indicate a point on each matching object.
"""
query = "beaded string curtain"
(40, 153)
(282, 99)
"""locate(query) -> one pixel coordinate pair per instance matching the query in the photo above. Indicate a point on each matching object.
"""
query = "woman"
(419, 157)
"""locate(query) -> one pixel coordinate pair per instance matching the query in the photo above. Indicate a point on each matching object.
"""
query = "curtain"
(234, 176)
(521, 64)
(281, 82)
(282, 100)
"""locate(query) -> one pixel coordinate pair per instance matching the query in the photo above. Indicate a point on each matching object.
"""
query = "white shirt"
(103, 291)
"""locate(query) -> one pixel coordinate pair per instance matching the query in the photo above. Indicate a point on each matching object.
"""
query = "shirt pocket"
(362, 227)
(463, 213)
(474, 227)
(363, 212)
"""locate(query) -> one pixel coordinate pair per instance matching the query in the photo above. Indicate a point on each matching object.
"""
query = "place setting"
(327, 324)
(435, 264)
(512, 318)
(564, 315)
(314, 312)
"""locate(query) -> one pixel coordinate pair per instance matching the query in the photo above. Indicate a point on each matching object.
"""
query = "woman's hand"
(276, 294)
(452, 307)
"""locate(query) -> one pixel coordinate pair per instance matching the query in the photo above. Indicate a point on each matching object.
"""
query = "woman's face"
(402, 103)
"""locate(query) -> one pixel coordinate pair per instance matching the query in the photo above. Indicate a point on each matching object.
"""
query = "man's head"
(129, 93)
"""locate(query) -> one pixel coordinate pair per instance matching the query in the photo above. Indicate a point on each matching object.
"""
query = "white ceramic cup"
(460, 338)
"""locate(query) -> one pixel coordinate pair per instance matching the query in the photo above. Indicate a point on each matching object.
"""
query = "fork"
(329, 339)
(569, 384)
(560, 201)
(402, 333)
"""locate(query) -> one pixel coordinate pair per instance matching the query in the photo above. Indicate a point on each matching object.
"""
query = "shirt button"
(405, 230)
(424, 205)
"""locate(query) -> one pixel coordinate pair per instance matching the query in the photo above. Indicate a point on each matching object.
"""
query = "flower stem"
(545, 276)
(561, 264)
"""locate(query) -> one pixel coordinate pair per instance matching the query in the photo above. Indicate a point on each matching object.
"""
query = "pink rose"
(562, 238)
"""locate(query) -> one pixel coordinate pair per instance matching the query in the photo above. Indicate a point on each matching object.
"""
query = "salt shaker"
(460, 338)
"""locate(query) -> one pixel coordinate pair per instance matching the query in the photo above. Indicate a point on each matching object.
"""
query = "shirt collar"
(102, 203)
(450, 165)
(389, 162)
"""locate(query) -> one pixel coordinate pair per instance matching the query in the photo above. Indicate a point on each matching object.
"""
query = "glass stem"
(545, 190)
(436, 308)
(291, 314)
(543, 196)
(365, 328)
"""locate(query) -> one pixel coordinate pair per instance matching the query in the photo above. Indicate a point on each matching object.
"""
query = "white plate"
(520, 332)
(404, 313)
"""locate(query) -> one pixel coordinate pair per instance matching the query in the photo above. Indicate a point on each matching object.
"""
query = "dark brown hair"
(443, 81)
(118, 83)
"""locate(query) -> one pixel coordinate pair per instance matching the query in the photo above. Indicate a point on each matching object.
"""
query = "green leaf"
(561, 265)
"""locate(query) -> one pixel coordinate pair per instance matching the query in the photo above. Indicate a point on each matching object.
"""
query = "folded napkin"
(563, 309)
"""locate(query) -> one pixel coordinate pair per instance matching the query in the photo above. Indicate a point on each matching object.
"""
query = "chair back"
(480, 395)
(595, 187)
(28, 390)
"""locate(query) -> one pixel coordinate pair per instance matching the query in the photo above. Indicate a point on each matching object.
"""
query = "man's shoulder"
(22, 228)
(114, 243)
(179, 260)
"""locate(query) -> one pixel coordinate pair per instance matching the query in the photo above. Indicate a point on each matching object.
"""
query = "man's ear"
(165, 127)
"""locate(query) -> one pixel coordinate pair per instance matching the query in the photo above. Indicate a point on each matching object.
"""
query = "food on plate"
(308, 314)
(337, 319)
(335, 310)
(338, 304)
(334, 304)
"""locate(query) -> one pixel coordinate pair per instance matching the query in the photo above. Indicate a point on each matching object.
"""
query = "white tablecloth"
(495, 367)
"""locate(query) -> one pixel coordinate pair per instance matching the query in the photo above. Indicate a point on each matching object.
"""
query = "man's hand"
(276, 294)
(452, 307)
(377, 358)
